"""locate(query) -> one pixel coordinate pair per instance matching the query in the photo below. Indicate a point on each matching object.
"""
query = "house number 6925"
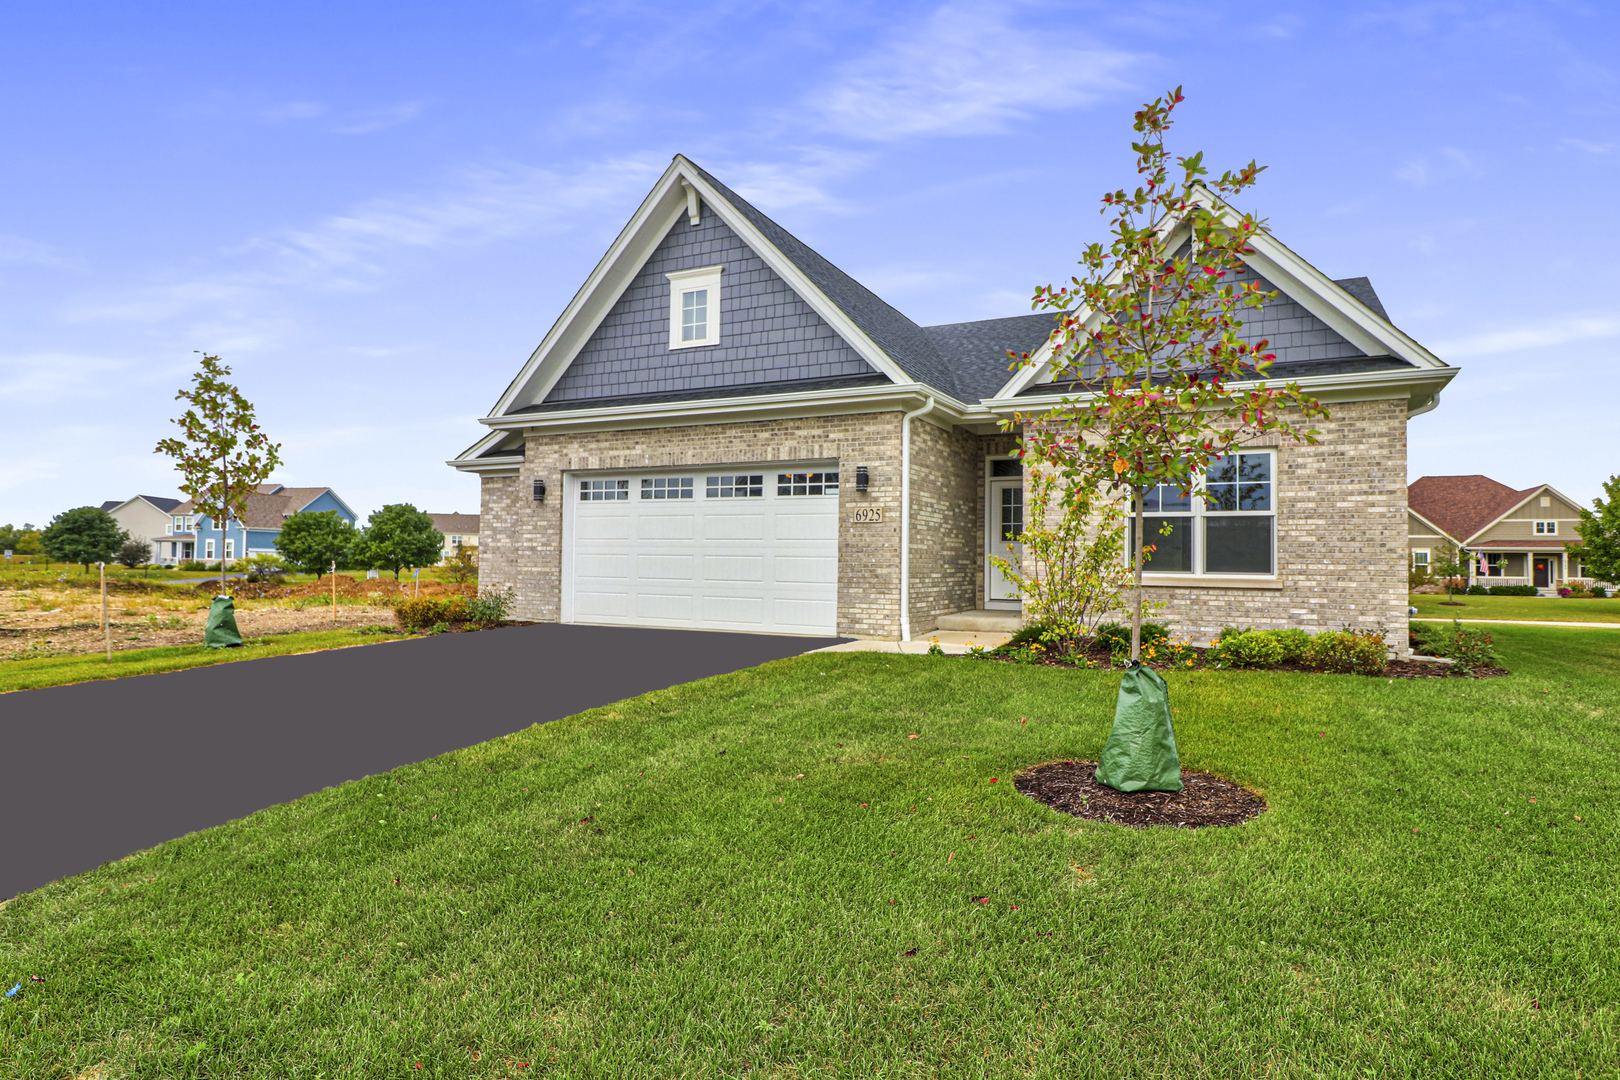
(868, 514)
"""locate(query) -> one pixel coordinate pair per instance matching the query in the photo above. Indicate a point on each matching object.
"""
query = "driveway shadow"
(95, 771)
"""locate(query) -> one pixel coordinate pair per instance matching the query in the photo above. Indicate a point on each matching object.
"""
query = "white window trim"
(1198, 577)
(685, 281)
(1545, 528)
(230, 547)
(208, 549)
(1425, 552)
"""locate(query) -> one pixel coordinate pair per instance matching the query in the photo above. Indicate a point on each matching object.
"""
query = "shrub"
(1418, 576)
(1470, 649)
(491, 607)
(1600, 592)
(263, 567)
(1118, 637)
(1513, 590)
(1348, 652)
(1293, 643)
(1427, 639)
(1478, 590)
(423, 612)
(1257, 648)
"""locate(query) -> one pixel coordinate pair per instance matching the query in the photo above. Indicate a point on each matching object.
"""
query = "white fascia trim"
(1534, 492)
(1414, 384)
(489, 466)
(1438, 531)
(760, 407)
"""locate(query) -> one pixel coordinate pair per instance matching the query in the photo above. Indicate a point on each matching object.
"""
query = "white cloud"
(1557, 332)
(367, 121)
(1448, 163)
(15, 249)
(780, 185)
(965, 71)
(1591, 147)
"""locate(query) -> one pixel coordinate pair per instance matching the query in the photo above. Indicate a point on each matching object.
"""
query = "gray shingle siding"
(768, 334)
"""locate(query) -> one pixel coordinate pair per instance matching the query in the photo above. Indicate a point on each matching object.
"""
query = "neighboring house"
(144, 517)
(194, 536)
(460, 530)
(723, 430)
(1510, 537)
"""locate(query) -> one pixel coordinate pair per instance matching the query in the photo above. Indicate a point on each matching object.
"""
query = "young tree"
(397, 536)
(1165, 389)
(1150, 338)
(134, 553)
(1599, 529)
(83, 535)
(463, 565)
(313, 540)
(223, 456)
(1450, 564)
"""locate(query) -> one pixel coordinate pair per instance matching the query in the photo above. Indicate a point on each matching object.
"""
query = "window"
(1006, 467)
(230, 549)
(1546, 528)
(455, 541)
(694, 307)
(168, 530)
(667, 487)
(1496, 565)
(604, 490)
(736, 487)
(208, 549)
(1230, 530)
(1546, 500)
(1420, 558)
(815, 483)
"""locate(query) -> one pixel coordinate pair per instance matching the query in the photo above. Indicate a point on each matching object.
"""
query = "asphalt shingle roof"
(1463, 505)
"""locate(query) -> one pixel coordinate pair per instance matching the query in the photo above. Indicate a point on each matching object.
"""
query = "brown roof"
(460, 524)
(269, 511)
(1463, 505)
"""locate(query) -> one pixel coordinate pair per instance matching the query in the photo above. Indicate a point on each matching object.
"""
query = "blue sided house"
(194, 536)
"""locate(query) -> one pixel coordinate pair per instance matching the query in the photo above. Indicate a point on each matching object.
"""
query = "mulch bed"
(1204, 800)
(1097, 654)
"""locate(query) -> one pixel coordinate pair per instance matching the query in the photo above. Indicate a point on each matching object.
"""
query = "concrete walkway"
(954, 642)
(1527, 622)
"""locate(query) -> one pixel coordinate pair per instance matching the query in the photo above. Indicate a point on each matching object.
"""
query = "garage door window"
(603, 490)
(667, 487)
(736, 487)
(815, 483)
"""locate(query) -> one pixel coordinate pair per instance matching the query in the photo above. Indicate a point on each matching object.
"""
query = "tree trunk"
(1136, 562)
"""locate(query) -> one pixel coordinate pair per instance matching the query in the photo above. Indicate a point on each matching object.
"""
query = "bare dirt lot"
(60, 619)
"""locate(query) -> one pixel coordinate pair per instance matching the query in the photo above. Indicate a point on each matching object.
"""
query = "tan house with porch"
(1509, 536)
(725, 431)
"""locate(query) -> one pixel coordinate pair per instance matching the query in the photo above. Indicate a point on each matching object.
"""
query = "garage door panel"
(667, 526)
(600, 526)
(805, 570)
(748, 568)
(820, 525)
(731, 611)
(592, 604)
(602, 566)
(720, 525)
(807, 615)
(664, 567)
(665, 607)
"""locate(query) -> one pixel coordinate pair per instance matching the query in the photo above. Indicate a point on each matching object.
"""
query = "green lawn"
(32, 674)
(1546, 609)
(653, 890)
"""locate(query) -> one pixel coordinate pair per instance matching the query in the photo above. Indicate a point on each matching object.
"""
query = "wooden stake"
(106, 627)
(334, 592)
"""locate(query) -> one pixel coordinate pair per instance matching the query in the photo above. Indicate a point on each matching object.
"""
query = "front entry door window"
(1005, 534)
(1543, 573)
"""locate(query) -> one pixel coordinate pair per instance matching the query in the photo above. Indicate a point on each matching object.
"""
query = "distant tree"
(134, 553)
(223, 456)
(397, 536)
(23, 541)
(83, 535)
(312, 540)
(1599, 528)
(1451, 564)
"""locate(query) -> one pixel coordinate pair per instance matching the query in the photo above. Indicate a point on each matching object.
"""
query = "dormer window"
(694, 307)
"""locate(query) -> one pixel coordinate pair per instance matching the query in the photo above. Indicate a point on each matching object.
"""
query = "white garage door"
(715, 550)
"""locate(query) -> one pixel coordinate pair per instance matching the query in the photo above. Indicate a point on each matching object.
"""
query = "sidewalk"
(1528, 622)
(954, 642)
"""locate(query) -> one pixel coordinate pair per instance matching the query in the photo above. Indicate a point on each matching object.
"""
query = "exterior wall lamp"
(539, 490)
(863, 479)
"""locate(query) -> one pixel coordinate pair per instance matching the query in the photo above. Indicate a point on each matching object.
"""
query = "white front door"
(1006, 526)
(719, 549)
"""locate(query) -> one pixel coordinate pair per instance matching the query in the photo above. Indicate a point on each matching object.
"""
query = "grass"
(654, 889)
(35, 673)
(1547, 609)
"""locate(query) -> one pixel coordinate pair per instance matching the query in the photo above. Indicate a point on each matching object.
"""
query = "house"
(459, 530)
(724, 430)
(194, 536)
(145, 517)
(1510, 536)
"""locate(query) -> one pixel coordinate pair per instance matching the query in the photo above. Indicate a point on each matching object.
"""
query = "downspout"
(905, 517)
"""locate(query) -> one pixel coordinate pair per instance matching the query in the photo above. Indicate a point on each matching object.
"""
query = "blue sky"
(375, 211)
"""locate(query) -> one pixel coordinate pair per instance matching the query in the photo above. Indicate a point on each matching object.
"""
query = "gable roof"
(1463, 505)
(455, 523)
(113, 504)
(158, 501)
(269, 511)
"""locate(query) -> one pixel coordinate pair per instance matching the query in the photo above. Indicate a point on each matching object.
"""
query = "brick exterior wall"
(526, 536)
(947, 534)
(1341, 537)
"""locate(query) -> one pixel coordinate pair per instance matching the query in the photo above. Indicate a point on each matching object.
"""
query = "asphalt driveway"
(92, 772)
